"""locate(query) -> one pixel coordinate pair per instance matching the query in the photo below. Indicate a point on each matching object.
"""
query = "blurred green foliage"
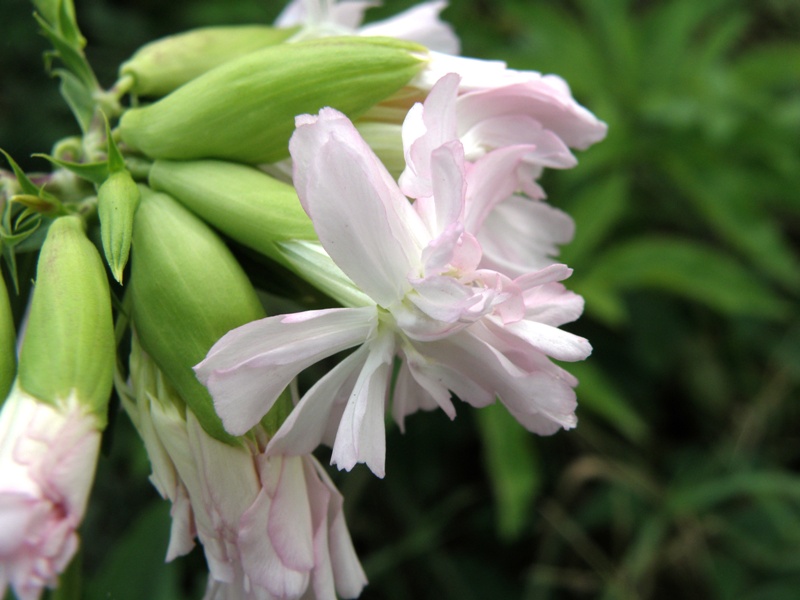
(681, 479)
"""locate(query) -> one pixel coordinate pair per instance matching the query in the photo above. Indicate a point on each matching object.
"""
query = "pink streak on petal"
(361, 436)
(363, 221)
(305, 427)
(249, 367)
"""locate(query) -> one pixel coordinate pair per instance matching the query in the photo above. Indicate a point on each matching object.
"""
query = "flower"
(272, 527)
(48, 454)
(419, 23)
(506, 154)
(454, 326)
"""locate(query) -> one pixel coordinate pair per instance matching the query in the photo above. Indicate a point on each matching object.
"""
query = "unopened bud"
(244, 110)
(244, 203)
(68, 348)
(117, 200)
(188, 290)
(165, 64)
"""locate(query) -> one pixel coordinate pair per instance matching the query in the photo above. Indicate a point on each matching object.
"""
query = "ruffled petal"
(249, 367)
(362, 219)
(421, 24)
(361, 436)
(305, 427)
(521, 235)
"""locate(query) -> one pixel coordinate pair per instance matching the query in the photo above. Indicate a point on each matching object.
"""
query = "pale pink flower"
(48, 455)
(507, 154)
(271, 527)
(420, 23)
(455, 327)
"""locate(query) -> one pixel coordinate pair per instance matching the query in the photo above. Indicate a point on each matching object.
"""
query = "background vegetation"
(681, 479)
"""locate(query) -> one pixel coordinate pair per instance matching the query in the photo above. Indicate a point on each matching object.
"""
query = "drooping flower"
(271, 527)
(48, 455)
(454, 326)
(420, 23)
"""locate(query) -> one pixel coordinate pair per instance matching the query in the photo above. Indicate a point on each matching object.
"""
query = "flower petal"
(361, 436)
(362, 219)
(249, 367)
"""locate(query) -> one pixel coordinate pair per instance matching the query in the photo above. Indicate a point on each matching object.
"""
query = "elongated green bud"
(244, 203)
(69, 340)
(163, 65)
(188, 290)
(117, 200)
(244, 109)
(8, 354)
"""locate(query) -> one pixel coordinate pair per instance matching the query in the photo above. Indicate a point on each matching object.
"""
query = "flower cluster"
(368, 160)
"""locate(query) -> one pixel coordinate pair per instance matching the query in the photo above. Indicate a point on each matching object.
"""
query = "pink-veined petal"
(249, 367)
(305, 427)
(521, 235)
(421, 24)
(361, 436)
(362, 219)
(542, 98)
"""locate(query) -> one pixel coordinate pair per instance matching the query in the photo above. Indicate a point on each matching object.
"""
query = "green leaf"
(698, 497)
(78, 97)
(688, 269)
(70, 54)
(731, 207)
(511, 462)
(95, 172)
(598, 394)
(116, 162)
(595, 211)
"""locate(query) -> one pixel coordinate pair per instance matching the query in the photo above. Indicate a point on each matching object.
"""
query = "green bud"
(161, 66)
(69, 340)
(244, 109)
(117, 200)
(188, 291)
(244, 203)
(8, 354)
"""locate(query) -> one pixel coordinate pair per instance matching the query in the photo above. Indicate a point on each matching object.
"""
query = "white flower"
(48, 455)
(456, 327)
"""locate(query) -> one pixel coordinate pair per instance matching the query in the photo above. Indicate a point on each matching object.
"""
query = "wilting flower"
(48, 454)
(454, 326)
(271, 527)
(419, 23)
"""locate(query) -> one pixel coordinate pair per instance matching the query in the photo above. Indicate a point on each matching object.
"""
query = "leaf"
(697, 497)
(730, 202)
(78, 97)
(689, 269)
(70, 53)
(597, 394)
(95, 172)
(595, 211)
(511, 463)
(116, 162)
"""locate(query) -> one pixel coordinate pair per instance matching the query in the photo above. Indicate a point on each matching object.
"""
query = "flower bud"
(68, 347)
(117, 200)
(8, 354)
(165, 64)
(244, 109)
(244, 203)
(188, 290)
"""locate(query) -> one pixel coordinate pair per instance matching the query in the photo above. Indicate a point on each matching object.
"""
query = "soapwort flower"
(453, 326)
(420, 23)
(271, 527)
